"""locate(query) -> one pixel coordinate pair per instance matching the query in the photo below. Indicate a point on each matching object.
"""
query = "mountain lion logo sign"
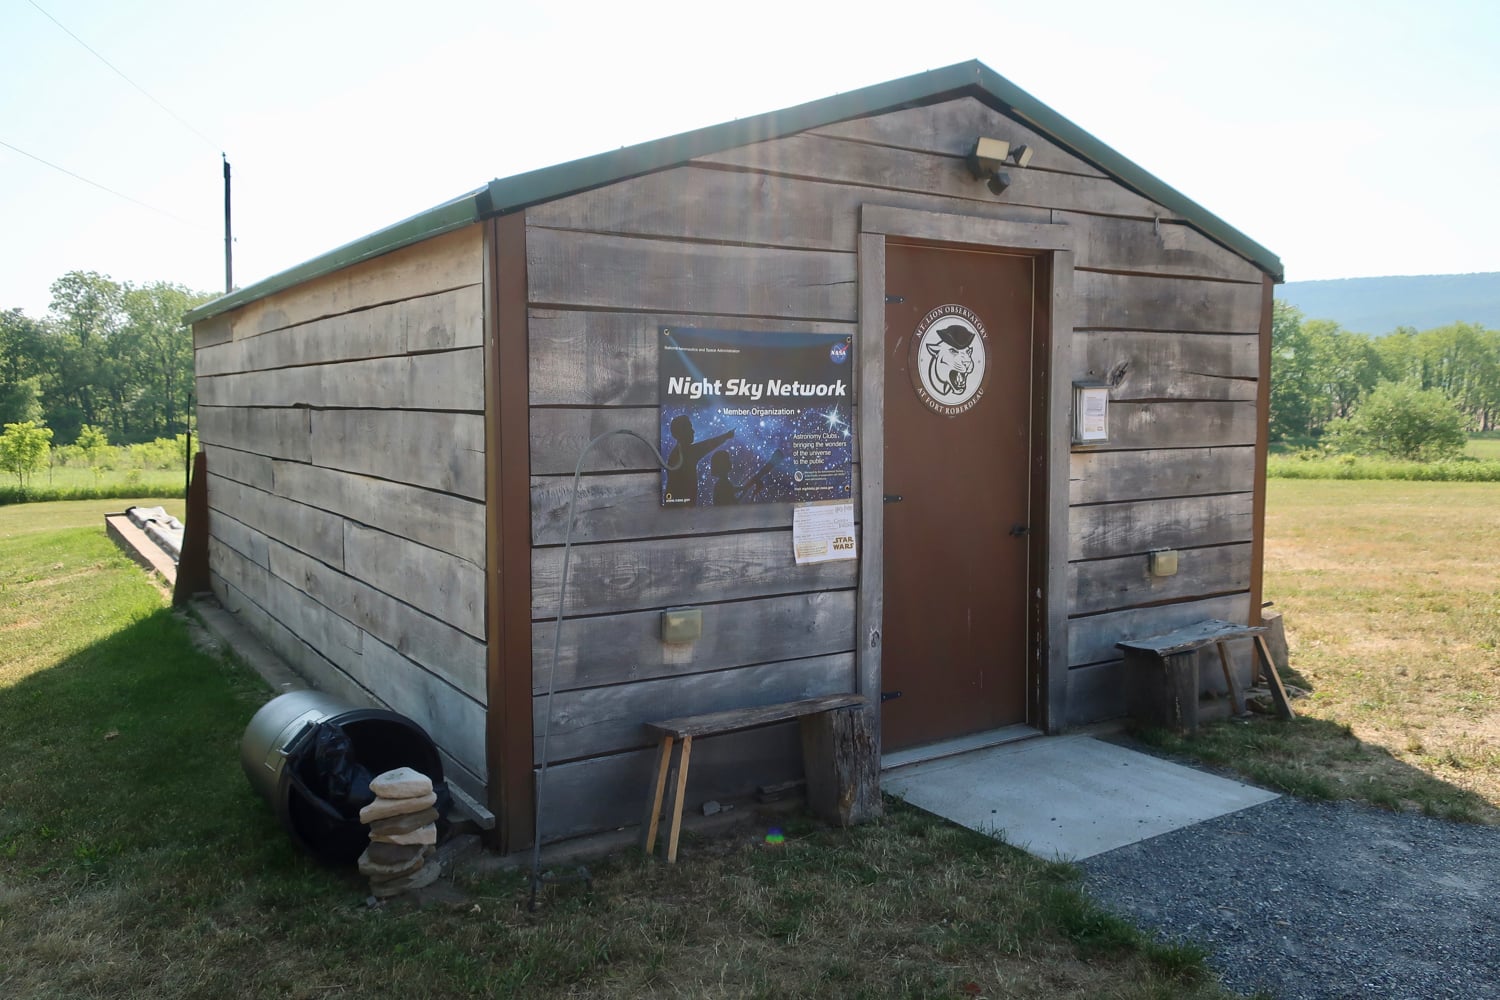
(948, 363)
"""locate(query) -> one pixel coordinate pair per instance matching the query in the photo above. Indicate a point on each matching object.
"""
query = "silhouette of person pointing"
(682, 476)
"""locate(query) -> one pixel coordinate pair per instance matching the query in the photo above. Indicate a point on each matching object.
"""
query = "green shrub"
(1400, 421)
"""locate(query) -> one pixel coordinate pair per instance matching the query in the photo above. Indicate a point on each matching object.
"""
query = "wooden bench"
(1163, 672)
(838, 756)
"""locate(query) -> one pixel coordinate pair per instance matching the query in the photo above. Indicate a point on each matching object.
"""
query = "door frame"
(1052, 245)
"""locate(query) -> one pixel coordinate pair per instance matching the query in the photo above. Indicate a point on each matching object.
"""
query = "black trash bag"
(337, 773)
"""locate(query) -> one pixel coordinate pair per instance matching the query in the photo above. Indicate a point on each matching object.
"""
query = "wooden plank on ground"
(1149, 302)
(950, 129)
(441, 451)
(440, 520)
(1138, 526)
(585, 269)
(1109, 243)
(614, 649)
(596, 721)
(630, 576)
(1102, 476)
(1092, 639)
(822, 158)
(446, 380)
(453, 260)
(316, 532)
(1124, 582)
(1151, 366)
(591, 358)
(275, 433)
(444, 585)
(445, 650)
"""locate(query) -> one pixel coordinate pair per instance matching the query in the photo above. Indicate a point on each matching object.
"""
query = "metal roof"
(968, 79)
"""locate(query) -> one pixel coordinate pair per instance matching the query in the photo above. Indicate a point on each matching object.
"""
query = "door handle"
(1018, 530)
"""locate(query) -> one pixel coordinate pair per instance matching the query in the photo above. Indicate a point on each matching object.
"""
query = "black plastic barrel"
(275, 753)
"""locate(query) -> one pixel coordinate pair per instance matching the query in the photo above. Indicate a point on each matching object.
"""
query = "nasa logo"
(839, 352)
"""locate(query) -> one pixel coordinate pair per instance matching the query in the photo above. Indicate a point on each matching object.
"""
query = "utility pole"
(228, 235)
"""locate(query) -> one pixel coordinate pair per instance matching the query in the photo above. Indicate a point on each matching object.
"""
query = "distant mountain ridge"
(1378, 305)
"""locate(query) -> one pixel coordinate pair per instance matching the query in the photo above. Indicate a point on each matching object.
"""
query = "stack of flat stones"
(403, 833)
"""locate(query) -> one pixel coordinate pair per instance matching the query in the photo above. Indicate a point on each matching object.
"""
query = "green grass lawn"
(1391, 598)
(135, 860)
(64, 483)
(1485, 448)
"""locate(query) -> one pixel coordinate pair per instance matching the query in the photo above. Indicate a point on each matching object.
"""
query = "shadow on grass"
(1319, 759)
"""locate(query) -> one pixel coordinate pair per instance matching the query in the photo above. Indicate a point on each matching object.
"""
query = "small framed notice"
(1090, 412)
(823, 532)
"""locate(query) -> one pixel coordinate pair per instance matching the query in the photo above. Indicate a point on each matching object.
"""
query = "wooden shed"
(391, 431)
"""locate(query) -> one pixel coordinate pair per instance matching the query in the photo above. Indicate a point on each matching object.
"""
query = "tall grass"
(1463, 470)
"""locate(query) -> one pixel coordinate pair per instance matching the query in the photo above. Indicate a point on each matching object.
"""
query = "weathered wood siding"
(765, 237)
(343, 421)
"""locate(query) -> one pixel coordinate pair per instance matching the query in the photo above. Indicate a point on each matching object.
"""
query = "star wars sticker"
(948, 363)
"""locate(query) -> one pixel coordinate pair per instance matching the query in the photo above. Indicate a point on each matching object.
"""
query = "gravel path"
(1312, 900)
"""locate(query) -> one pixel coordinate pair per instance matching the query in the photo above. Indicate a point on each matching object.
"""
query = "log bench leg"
(677, 797)
(1273, 680)
(654, 796)
(1236, 700)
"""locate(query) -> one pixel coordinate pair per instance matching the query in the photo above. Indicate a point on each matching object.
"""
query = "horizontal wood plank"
(445, 321)
(335, 638)
(1148, 302)
(606, 793)
(1124, 582)
(1145, 365)
(316, 532)
(1138, 526)
(443, 649)
(950, 129)
(447, 380)
(822, 158)
(253, 545)
(273, 433)
(1092, 639)
(453, 260)
(1107, 476)
(559, 435)
(445, 586)
(1179, 424)
(588, 358)
(440, 451)
(454, 721)
(735, 206)
(596, 721)
(1109, 243)
(241, 466)
(440, 520)
(729, 720)
(615, 649)
(630, 576)
(585, 269)
(628, 505)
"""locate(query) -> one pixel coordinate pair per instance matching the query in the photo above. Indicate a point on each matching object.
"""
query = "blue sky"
(1353, 139)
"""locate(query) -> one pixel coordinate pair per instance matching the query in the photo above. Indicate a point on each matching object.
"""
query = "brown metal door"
(958, 383)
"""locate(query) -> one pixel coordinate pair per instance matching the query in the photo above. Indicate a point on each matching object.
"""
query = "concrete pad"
(1068, 797)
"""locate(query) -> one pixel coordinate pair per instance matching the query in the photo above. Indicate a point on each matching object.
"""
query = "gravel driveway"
(1310, 900)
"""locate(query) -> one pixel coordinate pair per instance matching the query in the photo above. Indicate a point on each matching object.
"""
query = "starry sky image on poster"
(755, 417)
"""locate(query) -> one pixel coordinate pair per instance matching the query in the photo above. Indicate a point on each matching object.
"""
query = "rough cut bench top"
(1191, 637)
(744, 718)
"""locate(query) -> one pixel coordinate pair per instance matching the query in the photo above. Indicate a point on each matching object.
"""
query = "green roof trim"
(455, 214)
(972, 79)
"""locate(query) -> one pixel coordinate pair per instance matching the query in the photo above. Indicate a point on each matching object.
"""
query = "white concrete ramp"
(1068, 797)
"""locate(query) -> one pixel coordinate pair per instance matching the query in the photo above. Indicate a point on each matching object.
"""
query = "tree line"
(1323, 375)
(112, 356)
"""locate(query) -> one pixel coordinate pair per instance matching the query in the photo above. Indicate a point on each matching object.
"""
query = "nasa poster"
(755, 417)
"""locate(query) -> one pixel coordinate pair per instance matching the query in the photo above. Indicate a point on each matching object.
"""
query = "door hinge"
(894, 300)
(886, 696)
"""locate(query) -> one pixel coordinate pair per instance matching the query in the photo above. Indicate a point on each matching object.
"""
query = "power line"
(101, 187)
(121, 73)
